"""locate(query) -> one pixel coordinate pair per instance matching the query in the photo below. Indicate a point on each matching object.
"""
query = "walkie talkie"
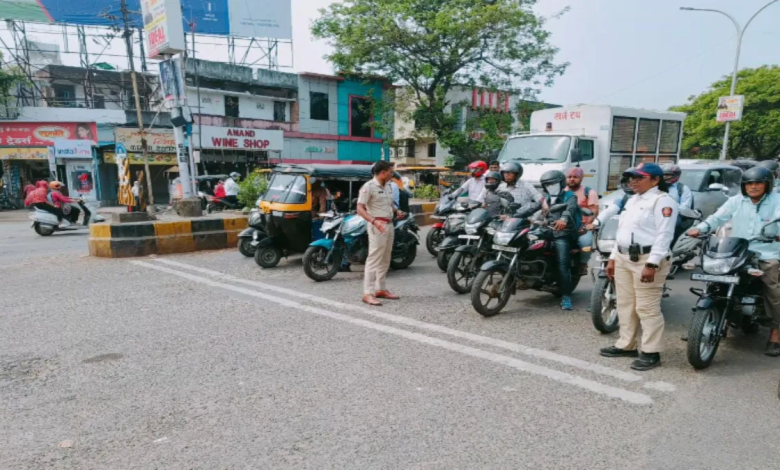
(633, 250)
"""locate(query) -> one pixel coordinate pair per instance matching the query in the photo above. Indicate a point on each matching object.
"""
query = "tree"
(432, 46)
(10, 77)
(483, 133)
(757, 135)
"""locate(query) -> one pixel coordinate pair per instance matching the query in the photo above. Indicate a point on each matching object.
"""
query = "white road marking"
(577, 381)
(514, 347)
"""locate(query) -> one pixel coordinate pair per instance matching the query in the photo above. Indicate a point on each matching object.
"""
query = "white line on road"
(514, 347)
(593, 386)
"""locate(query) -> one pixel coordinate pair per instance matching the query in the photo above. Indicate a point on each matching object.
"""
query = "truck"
(602, 140)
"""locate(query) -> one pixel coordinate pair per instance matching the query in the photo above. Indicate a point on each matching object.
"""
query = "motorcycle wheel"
(404, 260)
(245, 247)
(316, 267)
(209, 208)
(443, 260)
(460, 274)
(603, 306)
(485, 290)
(268, 256)
(703, 337)
(43, 230)
(433, 240)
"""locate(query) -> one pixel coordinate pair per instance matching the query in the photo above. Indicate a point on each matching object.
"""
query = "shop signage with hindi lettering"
(24, 153)
(138, 159)
(43, 134)
(157, 140)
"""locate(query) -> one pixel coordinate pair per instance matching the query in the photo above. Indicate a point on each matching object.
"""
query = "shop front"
(76, 167)
(227, 149)
(159, 164)
(160, 153)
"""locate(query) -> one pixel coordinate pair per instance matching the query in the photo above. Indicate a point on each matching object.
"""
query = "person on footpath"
(375, 205)
(639, 264)
(587, 198)
(749, 211)
(475, 184)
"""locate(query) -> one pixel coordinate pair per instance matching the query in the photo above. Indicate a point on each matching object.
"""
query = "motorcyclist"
(774, 167)
(681, 194)
(40, 200)
(749, 211)
(587, 198)
(566, 227)
(529, 199)
(489, 197)
(617, 206)
(64, 203)
(231, 188)
(475, 184)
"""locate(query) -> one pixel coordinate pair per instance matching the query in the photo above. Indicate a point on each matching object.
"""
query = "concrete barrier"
(164, 237)
(422, 212)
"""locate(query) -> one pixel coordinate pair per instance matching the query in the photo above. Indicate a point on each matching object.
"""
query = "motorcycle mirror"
(772, 222)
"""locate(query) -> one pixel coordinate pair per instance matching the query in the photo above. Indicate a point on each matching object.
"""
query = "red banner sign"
(43, 134)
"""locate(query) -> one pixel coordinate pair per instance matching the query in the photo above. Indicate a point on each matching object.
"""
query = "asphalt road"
(206, 361)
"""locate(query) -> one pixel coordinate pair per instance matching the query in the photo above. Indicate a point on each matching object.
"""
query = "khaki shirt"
(377, 199)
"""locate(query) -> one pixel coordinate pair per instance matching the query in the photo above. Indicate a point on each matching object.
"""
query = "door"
(589, 165)
(81, 180)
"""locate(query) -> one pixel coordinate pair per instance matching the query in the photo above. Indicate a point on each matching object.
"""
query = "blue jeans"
(585, 240)
(562, 248)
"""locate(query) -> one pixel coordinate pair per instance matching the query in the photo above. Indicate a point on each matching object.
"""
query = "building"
(414, 147)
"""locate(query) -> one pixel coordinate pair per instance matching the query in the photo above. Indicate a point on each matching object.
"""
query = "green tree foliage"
(757, 135)
(431, 46)
(251, 188)
(9, 78)
(483, 133)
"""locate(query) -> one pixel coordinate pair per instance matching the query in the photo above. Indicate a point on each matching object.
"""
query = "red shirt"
(219, 192)
(58, 199)
(36, 197)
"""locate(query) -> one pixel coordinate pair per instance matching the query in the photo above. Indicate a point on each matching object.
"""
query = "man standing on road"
(375, 204)
(749, 211)
(639, 265)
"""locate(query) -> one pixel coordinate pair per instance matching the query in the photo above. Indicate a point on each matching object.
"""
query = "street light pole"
(740, 35)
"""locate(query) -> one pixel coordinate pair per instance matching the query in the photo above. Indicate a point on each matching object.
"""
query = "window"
(289, 189)
(280, 111)
(586, 150)
(231, 106)
(647, 137)
(99, 102)
(65, 96)
(617, 165)
(670, 136)
(360, 117)
(319, 106)
(537, 148)
(623, 135)
(432, 150)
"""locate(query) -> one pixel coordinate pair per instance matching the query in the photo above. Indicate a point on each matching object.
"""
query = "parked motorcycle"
(732, 295)
(346, 238)
(45, 223)
(435, 235)
(525, 254)
(454, 227)
(249, 237)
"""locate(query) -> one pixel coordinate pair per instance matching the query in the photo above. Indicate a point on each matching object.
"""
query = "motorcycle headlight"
(606, 246)
(255, 218)
(490, 231)
(503, 238)
(471, 229)
(717, 265)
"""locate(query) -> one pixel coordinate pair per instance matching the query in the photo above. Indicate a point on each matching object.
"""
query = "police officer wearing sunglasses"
(639, 265)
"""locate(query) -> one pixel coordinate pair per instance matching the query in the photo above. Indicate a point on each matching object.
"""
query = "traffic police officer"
(640, 263)
(375, 204)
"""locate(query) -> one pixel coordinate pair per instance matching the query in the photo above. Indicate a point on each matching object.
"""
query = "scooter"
(216, 204)
(45, 223)
(250, 236)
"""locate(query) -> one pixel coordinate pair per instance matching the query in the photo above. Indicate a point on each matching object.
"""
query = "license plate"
(506, 248)
(469, 237)
(711, 278)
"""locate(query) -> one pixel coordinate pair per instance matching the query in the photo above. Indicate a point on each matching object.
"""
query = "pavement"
(206, 361)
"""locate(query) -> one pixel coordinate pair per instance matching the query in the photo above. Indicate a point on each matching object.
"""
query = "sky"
(636, 53)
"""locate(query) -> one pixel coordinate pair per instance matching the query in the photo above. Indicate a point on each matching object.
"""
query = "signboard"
(168, 159)
(243, 18)
(730, 108)
(312, 149)
(43, 134)
(173, 82)
(74, 149)
(239, 138)
(157, 140)
(81, 179)
(163, 26)
(24, 153)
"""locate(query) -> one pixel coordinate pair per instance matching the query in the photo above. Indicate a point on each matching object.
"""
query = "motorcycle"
(526, 255)
(346, 238)
(250, 236)
(603, 299)
(215, 204)
(454, 227)
(45, 223)
(732, 295)
(436, 234)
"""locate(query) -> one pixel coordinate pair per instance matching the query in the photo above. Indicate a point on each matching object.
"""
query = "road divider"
(422, 212)
(164, 237)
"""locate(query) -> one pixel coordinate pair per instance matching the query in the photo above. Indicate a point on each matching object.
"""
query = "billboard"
(157, 140)
(242, 18)
(730, 108)
(240, 138)
(163, 26)
(44, 134)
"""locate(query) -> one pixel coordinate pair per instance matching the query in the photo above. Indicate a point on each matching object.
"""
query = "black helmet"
(624, 182)
(494, 175)
(758, 174)
(551, 178)
(512, 167)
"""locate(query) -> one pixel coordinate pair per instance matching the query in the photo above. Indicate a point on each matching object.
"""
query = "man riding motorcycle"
(489, 197)
(40, 200)
(524, 193)
(475, 184)
(64, 203)
(679, 192)
(566, 227)
(231, 188)
(757, 205)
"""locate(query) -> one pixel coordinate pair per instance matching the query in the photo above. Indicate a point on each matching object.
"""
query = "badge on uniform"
(667, 211)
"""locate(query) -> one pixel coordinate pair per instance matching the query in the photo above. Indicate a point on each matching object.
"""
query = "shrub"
(251, 188)
(427, 191)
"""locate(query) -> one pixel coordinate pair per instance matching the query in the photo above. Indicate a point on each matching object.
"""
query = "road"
(206, 361)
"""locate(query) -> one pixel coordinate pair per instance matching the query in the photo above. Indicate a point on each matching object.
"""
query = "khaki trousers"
(639, 303)
(771, 289)
(380, 252)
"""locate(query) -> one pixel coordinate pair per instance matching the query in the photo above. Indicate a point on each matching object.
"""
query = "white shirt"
(231, 187)
(685, 200)
(651, 218)
(474, 186)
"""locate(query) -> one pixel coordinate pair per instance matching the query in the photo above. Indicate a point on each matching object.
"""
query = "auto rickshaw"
(284, 220)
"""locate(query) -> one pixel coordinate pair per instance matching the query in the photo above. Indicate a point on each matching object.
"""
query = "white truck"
(602, 140)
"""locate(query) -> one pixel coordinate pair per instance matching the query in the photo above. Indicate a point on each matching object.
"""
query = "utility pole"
(139, 113)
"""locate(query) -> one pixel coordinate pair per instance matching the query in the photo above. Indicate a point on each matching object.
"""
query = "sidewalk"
(22, 215)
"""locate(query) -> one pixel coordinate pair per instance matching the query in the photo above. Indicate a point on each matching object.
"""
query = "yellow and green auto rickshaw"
(284, 223)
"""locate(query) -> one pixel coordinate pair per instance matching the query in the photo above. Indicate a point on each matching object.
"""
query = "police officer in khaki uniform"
(640, 263)
(375, 204)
